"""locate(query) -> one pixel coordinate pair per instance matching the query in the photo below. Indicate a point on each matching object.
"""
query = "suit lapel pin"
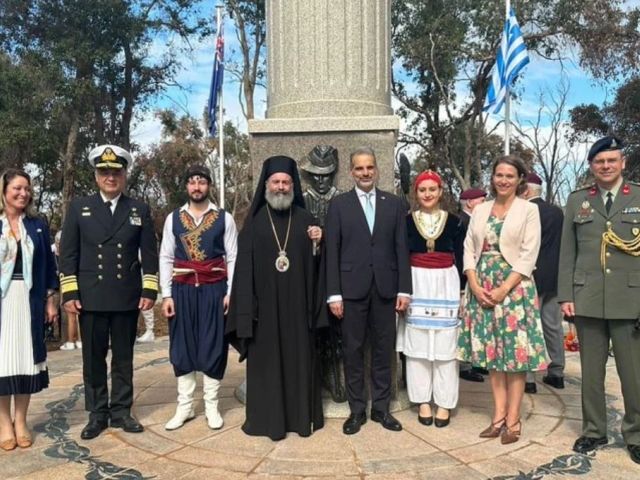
(382, 197)
(39, 230)
(635, 231)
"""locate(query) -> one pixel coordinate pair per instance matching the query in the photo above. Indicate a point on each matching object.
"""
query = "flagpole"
(219, 16)
(507, 100)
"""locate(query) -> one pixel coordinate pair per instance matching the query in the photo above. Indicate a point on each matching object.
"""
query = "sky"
(191, 96)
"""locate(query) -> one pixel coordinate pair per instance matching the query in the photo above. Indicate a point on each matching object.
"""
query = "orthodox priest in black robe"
(273, 307)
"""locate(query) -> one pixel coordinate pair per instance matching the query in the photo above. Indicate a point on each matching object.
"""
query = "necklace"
(431, 231)
(282, 262)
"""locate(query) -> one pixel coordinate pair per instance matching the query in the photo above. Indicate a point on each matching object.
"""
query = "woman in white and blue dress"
(427, 334)
(28, 281)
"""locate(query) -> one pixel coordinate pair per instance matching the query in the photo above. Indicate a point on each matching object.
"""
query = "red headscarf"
(427, 175)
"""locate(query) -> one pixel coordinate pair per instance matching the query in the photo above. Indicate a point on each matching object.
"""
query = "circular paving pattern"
(551, 422)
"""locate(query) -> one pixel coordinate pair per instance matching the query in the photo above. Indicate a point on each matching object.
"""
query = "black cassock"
(272, 322)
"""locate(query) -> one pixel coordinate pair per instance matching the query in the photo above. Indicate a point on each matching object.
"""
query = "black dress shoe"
(530, 387)
(554, 381)
(425, 420)
(442, 422)
(634, 452)
(128, 424)
(387, 420)
(93, 429)
(480, 370)
(471, 376)
(588, 444)
(353, 423)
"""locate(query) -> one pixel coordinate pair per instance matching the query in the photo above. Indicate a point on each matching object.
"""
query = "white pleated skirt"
(18, 372)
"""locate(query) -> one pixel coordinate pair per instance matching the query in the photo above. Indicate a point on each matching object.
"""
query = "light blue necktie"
(368, 210)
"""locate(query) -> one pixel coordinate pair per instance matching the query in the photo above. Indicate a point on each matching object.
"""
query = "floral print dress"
(507, 337)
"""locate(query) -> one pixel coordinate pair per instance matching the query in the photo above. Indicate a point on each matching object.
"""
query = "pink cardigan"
(519, 239)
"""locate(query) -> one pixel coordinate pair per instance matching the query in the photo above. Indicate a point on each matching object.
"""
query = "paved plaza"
(551, 422)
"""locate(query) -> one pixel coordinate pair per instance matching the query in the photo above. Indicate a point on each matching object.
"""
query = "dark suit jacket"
(356, 258)
(99, 263)
(546, 273)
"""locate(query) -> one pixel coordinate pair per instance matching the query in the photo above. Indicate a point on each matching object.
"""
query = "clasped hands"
(490, 298)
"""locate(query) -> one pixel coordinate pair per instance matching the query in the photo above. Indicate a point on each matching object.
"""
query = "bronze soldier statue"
(319, 168)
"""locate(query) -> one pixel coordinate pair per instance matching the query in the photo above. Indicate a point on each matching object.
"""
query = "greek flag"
(216, 82)
(512, 57)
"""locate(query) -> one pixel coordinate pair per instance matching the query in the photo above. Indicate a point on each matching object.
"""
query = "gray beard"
(279, 201)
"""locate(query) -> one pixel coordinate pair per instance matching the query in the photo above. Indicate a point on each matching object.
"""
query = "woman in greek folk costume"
(427, 334)
(28, 281)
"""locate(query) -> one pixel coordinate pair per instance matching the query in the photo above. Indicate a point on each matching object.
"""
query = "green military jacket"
(612, 290)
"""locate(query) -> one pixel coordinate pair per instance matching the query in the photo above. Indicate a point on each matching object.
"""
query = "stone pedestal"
(329, 82)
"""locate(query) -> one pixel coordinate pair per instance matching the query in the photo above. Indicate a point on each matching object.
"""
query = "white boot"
(149, 321)
(184, 410)
(210, 387)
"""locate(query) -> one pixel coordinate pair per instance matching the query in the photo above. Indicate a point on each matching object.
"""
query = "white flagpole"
(507, 101)
(219, 15)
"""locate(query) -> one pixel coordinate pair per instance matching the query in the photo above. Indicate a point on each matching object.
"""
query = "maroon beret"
(471, 193)
(534, 178)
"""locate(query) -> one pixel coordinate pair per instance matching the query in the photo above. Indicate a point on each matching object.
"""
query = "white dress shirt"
(614, 191)
(168, 247)
(114, 201)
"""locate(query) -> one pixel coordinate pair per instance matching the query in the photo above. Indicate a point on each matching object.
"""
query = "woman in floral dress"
(501, 329)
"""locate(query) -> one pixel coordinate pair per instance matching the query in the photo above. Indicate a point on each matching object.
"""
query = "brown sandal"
(8, 444)
(24, 441)
(510, 434)
(493, 430)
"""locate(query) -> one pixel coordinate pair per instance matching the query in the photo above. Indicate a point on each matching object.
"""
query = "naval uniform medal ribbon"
(282, 261)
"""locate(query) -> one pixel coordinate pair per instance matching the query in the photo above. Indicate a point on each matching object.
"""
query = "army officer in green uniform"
(599, 285)
(100, 279)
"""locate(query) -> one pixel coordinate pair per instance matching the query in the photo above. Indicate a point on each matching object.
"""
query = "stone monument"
(328, 83)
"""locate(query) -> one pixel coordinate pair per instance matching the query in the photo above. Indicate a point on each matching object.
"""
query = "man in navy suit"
(368, 281)
(546, 277)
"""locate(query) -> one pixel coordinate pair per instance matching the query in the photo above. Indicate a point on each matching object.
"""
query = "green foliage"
(446, 50)
(620, 117)
(90, 67)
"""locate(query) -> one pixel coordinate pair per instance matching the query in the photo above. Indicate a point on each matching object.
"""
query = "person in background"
(469, 199)
(28, 282)
(428, 332)
(73, 338)
(501, 328)
(546, 278)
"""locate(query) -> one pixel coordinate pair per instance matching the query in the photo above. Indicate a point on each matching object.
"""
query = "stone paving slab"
(551, 422)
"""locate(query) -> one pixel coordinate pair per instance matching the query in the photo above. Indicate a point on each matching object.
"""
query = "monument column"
(329, 82)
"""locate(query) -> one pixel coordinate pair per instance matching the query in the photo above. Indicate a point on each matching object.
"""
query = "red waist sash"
(197, 273)
(432, 260)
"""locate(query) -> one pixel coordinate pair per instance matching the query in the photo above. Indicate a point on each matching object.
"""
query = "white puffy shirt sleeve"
(230, 247)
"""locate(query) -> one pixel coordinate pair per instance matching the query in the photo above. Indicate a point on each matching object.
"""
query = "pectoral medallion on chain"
(282, 262)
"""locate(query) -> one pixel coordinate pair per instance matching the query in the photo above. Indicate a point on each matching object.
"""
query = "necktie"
(108, 205)
(609, 202)
(368, 210)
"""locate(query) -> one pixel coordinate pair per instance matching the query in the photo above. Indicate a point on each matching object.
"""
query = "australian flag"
(216, 82)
